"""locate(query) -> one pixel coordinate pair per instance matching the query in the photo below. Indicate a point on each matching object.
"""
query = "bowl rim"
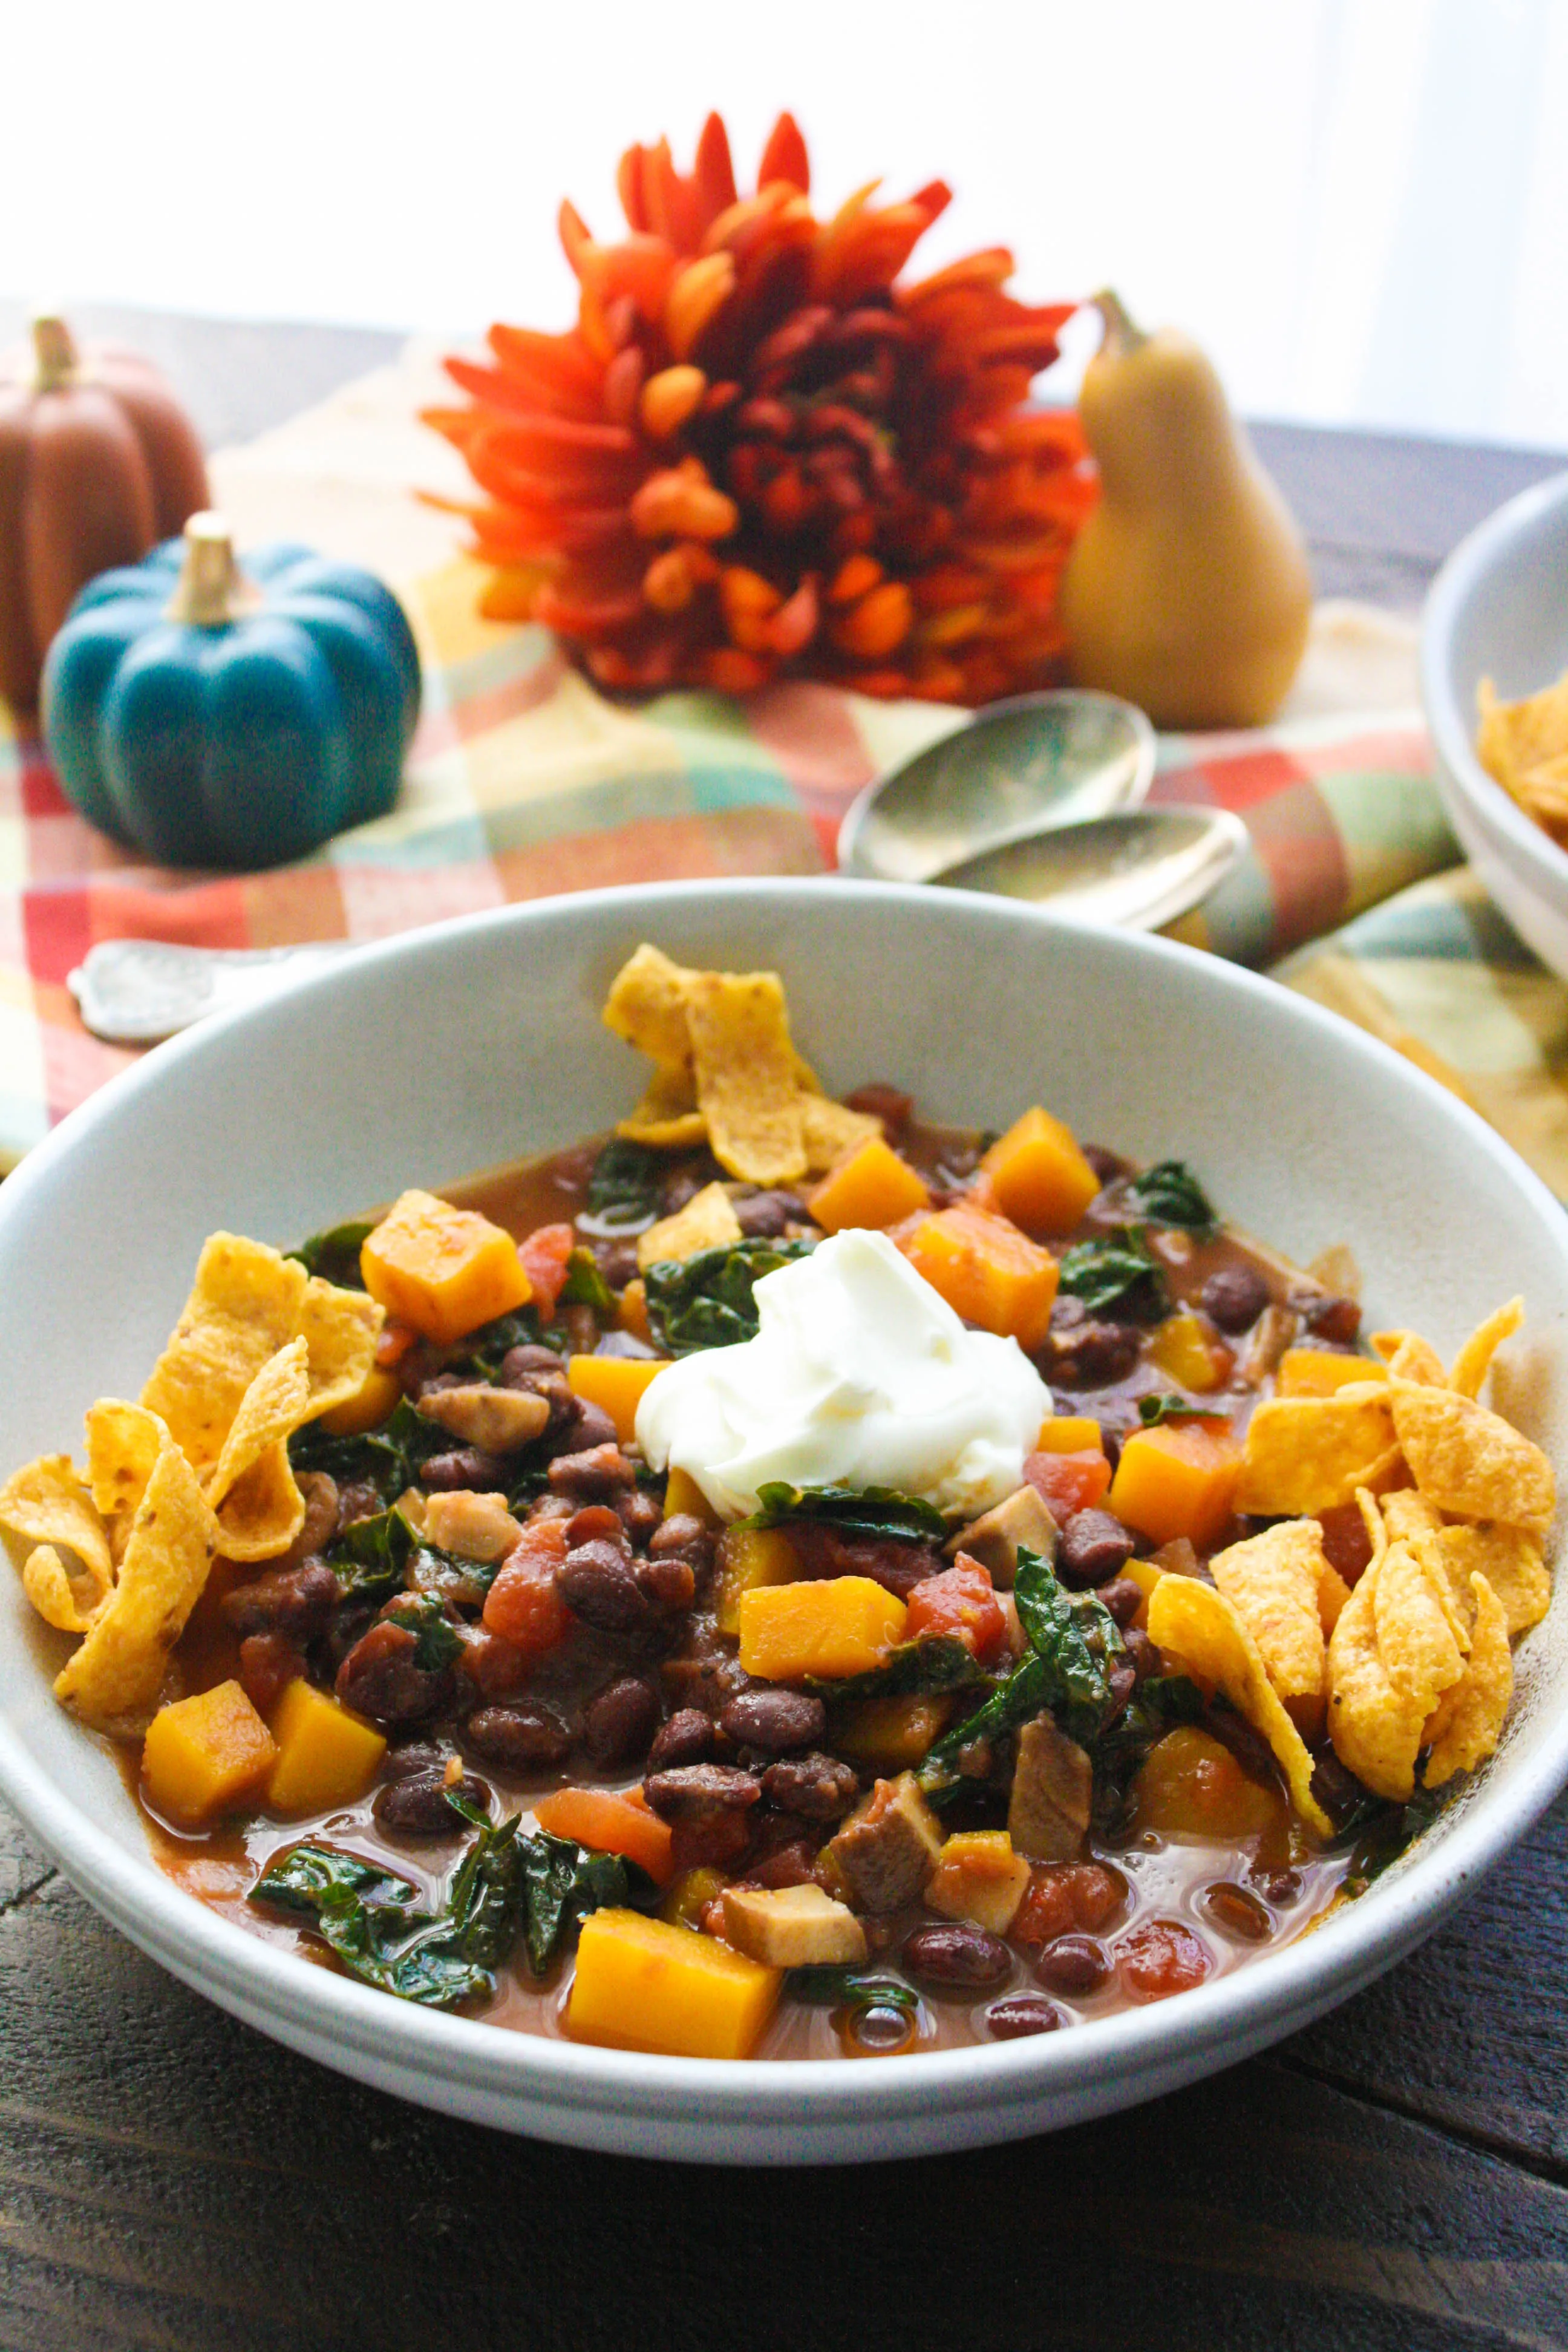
(1237, 2012)
(1475, 558)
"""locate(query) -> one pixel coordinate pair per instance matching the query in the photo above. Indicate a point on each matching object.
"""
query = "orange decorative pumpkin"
(98, 463)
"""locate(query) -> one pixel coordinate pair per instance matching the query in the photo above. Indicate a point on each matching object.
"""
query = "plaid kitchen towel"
(525, 782)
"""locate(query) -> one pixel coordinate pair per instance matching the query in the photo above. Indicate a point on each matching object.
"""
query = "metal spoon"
(1040, 760)
(1134, 871)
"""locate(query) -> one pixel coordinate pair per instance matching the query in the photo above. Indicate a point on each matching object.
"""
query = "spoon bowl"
(1037, 760)
(1130, 872)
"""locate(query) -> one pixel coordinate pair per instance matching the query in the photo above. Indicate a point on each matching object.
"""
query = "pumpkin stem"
(1121, 332)
(211, 591)
(54, 352)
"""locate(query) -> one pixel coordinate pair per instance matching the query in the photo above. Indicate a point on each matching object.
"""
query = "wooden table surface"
(1395, 2177)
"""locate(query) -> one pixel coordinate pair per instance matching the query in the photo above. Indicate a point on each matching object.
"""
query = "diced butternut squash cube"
(1191, 1355)
(367, 1409)
(631, 1314)
(689, 1895)
(642, 1984)
(608, 1820)
(793, 1927)
(1069, 1433)
(684, 1499)
(872, 1187)
(1145, 1575)
(444, 1270)
(1040, 1178)
(750, 1556)
(988, 1270)
(327, 1755)
(201, 1755)
(1318, 1371)
(615, 1382)
(837, 1625)
(889, 1735)
(1177, 1479)
(979, 1876)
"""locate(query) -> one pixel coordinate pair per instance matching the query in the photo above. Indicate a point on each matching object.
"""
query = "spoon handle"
(135, 991)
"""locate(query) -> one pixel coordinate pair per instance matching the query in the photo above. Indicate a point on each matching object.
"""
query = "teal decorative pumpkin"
(214, 717)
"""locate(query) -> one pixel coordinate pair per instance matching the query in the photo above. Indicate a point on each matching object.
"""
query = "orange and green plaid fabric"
(525, 782)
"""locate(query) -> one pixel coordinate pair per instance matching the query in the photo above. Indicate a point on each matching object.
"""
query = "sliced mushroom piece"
(791, 1927)
(994, 1539)
(1053, 1788)
(492, 1420)
(1274, 1331)
(888, 1847)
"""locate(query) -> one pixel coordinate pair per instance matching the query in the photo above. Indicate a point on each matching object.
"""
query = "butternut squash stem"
(1122, 331)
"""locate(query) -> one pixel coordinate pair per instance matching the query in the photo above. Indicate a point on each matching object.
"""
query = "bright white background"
(1361, 206)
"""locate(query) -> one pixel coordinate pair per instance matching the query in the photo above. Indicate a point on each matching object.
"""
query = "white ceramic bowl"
(1498, 609)
(464, 1046)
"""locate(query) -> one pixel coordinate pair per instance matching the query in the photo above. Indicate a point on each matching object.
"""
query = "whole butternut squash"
(1187, 590)
(98, 463)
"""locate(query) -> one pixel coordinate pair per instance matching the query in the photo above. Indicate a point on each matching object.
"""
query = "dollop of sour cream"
(860, 1375)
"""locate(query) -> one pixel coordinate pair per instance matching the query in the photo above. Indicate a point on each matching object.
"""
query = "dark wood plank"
(1471, 2032)
(169, 2179)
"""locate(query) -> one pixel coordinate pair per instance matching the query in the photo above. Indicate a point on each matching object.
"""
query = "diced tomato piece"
(1067, 1483)
(523, 1605)
(960, 1600)
(1066, 1898)
(1162, 1957)
(545, 1256)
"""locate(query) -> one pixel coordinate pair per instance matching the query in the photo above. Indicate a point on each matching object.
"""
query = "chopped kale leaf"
(584, 1284)
(869, 1511)
(707, 1302)
(1170, 1194)
(334, 1255)
(365, 1916)
(368, 1559)
(1120, 1271)
(626, 1180)
(437, 1641)
(562, 1883)
(845, 1988)
(1154, 1410)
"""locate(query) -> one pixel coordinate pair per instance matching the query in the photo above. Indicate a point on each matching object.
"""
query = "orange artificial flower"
(762, 453)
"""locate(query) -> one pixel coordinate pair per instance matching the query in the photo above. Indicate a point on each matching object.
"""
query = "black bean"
(764, 1216)
(619, 1722)
(1107, 1165)
(617, 1262)
(380, 1677)
(1094, 1548)
(358, 1500)
(1122, 1598)
(640, 1513)
(1074, 1965)
(519, 1738)
(417, 1805)
(299, 1602)
(681, 1185)
(1238, 1912)
(1335, 1786)
(1277, 1886)
(269, 1662)
(464, 1469)
(320, 1521)
(668, 1581)
(595, 1473)
(788, 1865)
(694, 1792)
(818, 1788)
(413, 1756)
(1092, 1353)
(774, 1719)
(686, 1739)
(1334, 1319)
(597, 1585)
(960, 1957)
(685, 1534)
(1022, 2013)
(1234, 1297)
(1141, 1655)
(590, 1430)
